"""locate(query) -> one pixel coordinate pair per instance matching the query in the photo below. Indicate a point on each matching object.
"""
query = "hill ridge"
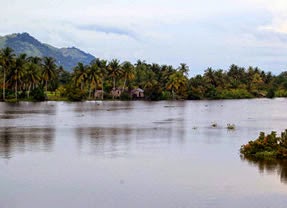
(68, 57)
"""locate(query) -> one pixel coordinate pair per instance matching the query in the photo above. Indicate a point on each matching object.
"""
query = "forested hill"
(25, 43)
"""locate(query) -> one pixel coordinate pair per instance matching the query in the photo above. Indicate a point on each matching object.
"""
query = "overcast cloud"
(201, 33)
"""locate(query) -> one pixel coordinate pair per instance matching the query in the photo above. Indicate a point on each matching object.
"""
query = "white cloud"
(201, 33)
(278, 10)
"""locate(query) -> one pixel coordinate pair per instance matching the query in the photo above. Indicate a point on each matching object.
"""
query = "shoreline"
(132, 100)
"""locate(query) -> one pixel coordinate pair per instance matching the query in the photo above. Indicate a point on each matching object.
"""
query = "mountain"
(25, 43)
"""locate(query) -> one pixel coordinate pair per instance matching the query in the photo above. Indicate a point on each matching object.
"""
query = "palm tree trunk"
(90, 91)
(4, 80)
(16, 92)
(114, 87)
(103, 89)
(46, 86)
(114, 83)
(29, 88)
(125, 83)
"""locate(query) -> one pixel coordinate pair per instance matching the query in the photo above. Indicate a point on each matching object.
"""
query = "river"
(170, 154)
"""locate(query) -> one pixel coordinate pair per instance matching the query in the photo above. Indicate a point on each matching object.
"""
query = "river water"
(139, 154)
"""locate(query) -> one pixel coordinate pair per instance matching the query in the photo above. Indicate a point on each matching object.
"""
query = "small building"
(116, 92)
(99, 94)
(137, 93)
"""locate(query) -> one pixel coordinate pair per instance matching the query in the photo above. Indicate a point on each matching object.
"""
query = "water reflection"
(117, 142)
(23, 108)
(270, 166)
(90, 106)
(18, 140)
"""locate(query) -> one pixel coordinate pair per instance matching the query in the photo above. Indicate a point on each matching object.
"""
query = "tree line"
(34, 78)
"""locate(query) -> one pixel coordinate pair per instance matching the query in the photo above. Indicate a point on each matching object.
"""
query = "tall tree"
(103, 70)
(35, 60)
(114, 70)
(94, 77)
(80, 75)
(176, 81)
(49, 70)
(183, 68)
(17, 72)
(32, 75)
(7, 57)
(128, 72)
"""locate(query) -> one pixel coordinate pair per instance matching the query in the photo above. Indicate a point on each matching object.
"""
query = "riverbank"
(54, 97)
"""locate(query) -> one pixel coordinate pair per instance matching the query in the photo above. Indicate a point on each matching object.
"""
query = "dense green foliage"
(38, 94)
(267, 146)
(20, 75)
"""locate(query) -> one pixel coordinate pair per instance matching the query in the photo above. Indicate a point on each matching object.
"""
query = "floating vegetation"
(214, 125)
(268, 146)
(231, 126)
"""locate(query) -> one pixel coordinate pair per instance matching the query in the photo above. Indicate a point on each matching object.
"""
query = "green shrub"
(271, 93)
(38, 94)
(211, 93)
(281, 93)
(166, 95)
(125, 96)
(235, 94)
(61, 91)
(266, 146)
(75, 94)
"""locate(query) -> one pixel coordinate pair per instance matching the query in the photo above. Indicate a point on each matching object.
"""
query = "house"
(116, 92)
(137, 93)
(99, 94)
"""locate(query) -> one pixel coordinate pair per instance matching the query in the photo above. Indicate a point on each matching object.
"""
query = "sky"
(200, 33)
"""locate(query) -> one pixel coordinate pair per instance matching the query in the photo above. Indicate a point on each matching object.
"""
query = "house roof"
(138, 89)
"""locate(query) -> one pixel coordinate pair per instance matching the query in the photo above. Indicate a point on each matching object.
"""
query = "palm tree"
(34, 59)
(209, 74)
(165, 72)
(184, 69)
(140, 69)
(155, 68)
(94, 77)
(80, 74)
(128, 72)
(103, 71)
(7, 57)
(17, 72)
(114, 70)
(32, 76)
(49, 70)
(176, 81)
(151, 85)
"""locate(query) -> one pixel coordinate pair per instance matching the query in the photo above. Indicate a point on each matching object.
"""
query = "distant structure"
(99, 94)
(137, 93)
(116, 92)
(134, 93)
